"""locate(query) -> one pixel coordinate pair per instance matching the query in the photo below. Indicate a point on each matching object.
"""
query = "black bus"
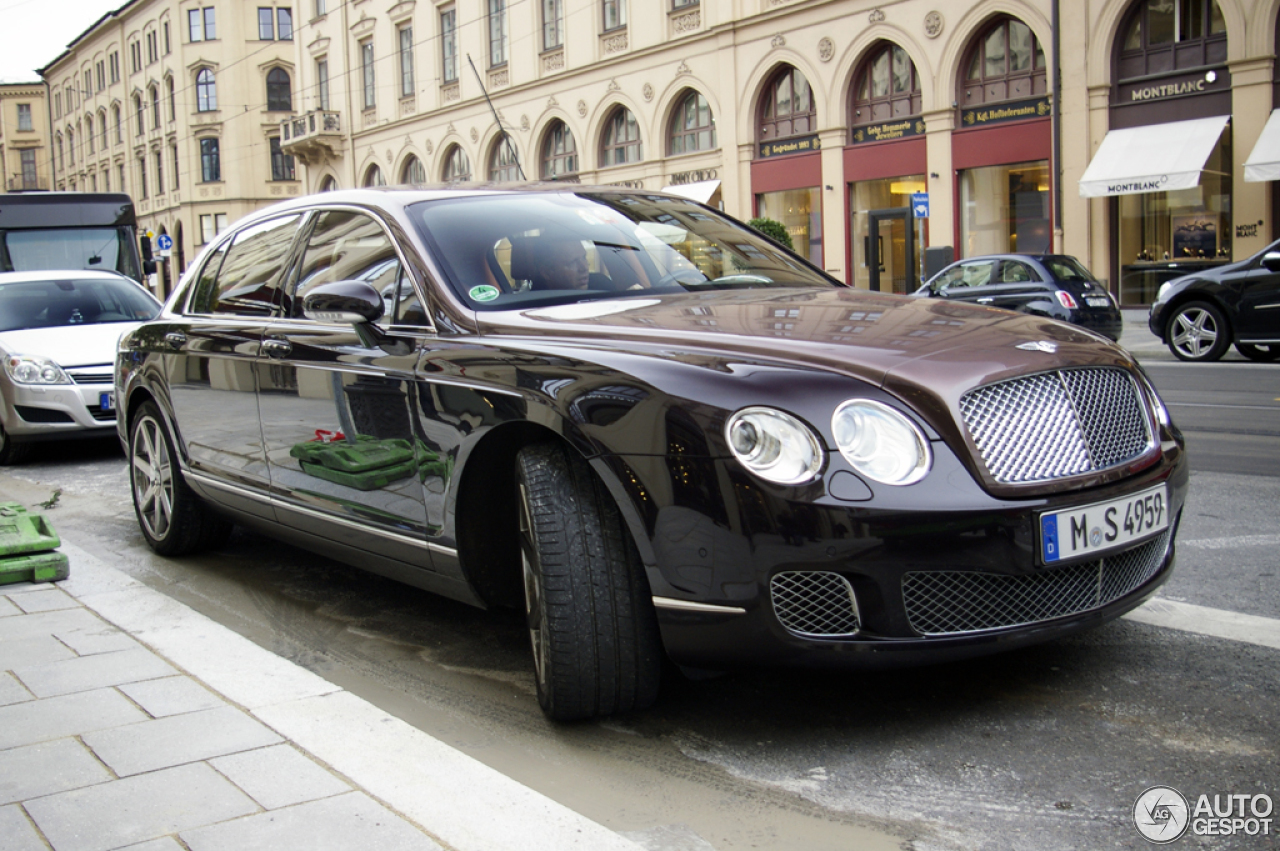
(71, 230)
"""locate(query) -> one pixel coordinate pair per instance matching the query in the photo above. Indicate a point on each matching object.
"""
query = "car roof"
(62, 275)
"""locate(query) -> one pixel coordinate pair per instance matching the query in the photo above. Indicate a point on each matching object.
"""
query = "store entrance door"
(893, 258)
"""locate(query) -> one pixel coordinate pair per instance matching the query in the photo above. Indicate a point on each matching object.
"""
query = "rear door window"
(250, 275)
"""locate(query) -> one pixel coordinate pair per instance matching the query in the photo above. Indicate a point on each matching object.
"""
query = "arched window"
(1161, 36)
(1005, 63)
(693, 127)
(60, 163)
(502, 162)
(886, 87)
(137, 107)
(155, 107)
(329, 184)
(279, 94)
(373, 177)
(173, 100)
(88, 134)
(115, 117)
(206, 91)
(71, 146)
(787, 106)
(559, 152)
(102, 127)
(413, 172)
(457, 167)
(621, 143)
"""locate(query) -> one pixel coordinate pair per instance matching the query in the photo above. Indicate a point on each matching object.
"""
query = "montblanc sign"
(1172, 88)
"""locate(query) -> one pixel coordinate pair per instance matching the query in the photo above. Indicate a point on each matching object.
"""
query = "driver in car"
(560, 264)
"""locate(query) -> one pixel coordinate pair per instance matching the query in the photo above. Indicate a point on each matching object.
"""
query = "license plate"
(1097, 301)
(108, 400)
(1103, 527)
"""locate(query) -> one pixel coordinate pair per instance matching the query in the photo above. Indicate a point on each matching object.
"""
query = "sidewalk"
(127, 720)
(1138, 339)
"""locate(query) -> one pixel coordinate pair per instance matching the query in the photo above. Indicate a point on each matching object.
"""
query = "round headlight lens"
(881, 443)
(774, 445)
(34, 369)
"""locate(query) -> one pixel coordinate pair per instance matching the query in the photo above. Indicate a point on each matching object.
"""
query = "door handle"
(986, 300)
(277, 348)
(175, 339)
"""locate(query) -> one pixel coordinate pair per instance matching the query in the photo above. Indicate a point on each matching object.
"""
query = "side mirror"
(1271, 260)
(355, 302)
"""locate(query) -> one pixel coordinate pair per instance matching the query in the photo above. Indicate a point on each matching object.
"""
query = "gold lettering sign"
(1018, 111)
(799, 145)
(887, 132)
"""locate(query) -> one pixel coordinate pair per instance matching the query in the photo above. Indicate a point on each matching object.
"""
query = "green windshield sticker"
(484, 292)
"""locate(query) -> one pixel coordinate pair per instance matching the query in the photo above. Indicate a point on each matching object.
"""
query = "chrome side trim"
(691, 606)
(320, 515)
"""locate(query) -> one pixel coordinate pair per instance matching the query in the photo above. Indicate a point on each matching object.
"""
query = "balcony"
(312, 136)
(22, 183)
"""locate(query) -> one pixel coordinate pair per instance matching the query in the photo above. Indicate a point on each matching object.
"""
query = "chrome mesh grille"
(814, 604)
(950, 602)
(91, 375)
(1056, 424)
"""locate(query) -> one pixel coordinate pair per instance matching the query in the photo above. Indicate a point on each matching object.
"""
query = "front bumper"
(56, 411)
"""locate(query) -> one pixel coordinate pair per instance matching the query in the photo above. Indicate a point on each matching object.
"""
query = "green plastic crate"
(21, 532)
(36, 567)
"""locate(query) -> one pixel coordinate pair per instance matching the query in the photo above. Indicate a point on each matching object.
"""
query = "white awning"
(702, 191)
(1263, 164)
(1155, 158)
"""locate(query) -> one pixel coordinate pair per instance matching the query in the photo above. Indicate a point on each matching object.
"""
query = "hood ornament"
(1039, 346)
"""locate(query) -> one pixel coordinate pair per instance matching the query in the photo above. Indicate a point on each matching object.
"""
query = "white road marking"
(1202, 620)
(1231, 543)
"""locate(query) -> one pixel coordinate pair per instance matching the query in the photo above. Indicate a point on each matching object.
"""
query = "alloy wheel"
(152, 477)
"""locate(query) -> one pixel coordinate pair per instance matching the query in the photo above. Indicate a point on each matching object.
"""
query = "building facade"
(830, 116)
(24, 137)
(178, 103)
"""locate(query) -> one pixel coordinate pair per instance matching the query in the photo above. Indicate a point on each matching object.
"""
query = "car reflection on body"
(58, 332)
(1057, 286)
(713, 453)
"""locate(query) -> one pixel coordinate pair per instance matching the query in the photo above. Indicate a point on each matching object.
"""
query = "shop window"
(1005, 209)
(693, 127)
(559, 153)
(503, 167)
(621, 142)
(800, 212)
(895, 271)
(787, 108)
(457, 166)
(886, 87)
(1005, 63)
(1161, 36)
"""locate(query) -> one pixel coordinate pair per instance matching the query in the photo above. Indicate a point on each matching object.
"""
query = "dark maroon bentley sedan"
(651, 428)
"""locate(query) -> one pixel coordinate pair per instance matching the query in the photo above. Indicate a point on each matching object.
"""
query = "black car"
(1053, 285)
(652, 429)
(1200, 315)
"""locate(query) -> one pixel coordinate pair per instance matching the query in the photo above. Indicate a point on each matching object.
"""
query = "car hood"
(928, 352)
(68, 345)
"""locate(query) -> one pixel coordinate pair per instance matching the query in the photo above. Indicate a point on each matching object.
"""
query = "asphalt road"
(1045, 748)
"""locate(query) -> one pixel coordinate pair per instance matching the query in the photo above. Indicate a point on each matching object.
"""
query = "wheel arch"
(1197, 293)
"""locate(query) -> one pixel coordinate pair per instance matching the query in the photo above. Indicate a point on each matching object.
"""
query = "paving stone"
(90, 672)
(69, 715)
(12, 691)
(16, 832)
(37, 650)
(46, 768)
(350, 821)
(279, 776)
(8, 609)
(138, 809)
(43, 600)
(90, 641)
(167, 843)
(178, 739)
(172, 696)
(47, 623)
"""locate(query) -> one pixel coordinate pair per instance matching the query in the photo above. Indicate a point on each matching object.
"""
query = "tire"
(174, 521)
(1262, 354)
(1197, 331)
(591, 621)
(12, 454)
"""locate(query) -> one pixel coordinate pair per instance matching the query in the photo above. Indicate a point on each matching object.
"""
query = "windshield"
(51, 304)
(506, 251)
(69, 248)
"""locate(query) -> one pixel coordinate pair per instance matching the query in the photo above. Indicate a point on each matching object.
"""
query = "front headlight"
(881, 443)
(34, 369)
(774, 445)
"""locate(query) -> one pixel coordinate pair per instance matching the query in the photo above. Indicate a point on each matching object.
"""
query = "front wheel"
(1261, 353)
(12, 453)
(172, 518)
(1197, 331)
(591, 622)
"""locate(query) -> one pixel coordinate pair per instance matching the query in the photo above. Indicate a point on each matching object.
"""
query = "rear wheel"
(172, 518)
(591, 622)
(1264, 353)
(1197, 331)
(12, 453)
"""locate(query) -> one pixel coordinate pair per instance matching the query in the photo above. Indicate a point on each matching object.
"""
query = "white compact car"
(58, 333)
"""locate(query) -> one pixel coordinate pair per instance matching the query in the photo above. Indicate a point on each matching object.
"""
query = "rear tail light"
(1065, 299)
